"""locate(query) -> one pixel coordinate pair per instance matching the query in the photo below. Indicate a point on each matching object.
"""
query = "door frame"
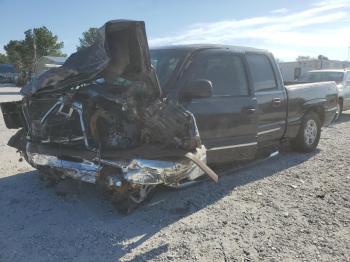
(225, 147)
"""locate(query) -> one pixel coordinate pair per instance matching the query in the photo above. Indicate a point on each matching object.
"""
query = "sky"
(286, 28)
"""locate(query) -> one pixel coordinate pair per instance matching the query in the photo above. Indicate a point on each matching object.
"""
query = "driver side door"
(227, 121)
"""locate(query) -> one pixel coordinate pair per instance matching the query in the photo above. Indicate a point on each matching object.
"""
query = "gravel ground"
(292, 208)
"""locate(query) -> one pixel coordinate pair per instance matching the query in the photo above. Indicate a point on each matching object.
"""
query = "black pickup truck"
(108, 117)
(239, 100)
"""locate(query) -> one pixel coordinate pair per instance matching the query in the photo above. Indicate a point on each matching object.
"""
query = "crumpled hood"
(120, 44)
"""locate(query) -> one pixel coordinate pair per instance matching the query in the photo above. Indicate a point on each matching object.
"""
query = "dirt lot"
(293, 207)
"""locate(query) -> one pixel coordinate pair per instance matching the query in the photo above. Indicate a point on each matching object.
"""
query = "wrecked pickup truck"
(102, 117)
(237, 96)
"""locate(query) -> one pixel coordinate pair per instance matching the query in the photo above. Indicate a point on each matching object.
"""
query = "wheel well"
(341, 101)
(319, 111)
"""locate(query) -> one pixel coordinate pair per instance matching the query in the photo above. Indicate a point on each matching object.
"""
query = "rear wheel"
(309, 134)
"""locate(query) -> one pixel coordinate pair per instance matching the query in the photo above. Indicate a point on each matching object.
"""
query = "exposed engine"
(101, 116)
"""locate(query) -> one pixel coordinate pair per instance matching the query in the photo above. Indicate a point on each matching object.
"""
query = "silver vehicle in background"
(340, 76)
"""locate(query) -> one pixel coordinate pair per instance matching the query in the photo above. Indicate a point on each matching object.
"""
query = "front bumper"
(115, 173)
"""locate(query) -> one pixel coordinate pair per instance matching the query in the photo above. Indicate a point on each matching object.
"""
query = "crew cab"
(108, 117)
(342, 79)
(239, 101)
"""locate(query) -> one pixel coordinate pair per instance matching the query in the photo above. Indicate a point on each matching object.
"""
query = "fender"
(319, 102)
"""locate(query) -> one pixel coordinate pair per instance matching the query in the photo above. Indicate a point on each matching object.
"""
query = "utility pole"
(34, 47)
(348, 59)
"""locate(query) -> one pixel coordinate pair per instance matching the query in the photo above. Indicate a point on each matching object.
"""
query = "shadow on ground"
(38, 225)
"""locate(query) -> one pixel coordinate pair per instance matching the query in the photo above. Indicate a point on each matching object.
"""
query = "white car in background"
(340, 76)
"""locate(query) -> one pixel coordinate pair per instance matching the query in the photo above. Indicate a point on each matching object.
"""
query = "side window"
(226, 72)
(262, 72)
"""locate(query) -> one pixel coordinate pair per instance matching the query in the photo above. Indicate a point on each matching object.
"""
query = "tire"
(339, 111)
(309, 134)
(128, 201)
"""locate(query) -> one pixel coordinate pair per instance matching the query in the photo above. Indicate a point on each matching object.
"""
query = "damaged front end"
(101, 119)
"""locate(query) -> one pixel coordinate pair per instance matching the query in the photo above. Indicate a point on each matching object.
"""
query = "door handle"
(276, 101)
(248, 110)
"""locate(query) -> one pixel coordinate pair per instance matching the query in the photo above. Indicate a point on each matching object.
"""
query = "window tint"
(262, 72)
(226, 72)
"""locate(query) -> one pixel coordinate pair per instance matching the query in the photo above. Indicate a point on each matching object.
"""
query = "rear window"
(262, 72)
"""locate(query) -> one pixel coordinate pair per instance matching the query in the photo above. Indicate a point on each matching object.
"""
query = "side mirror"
(200, 88)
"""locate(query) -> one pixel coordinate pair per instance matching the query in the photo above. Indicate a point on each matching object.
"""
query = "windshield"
(166, 62)
(322, 76)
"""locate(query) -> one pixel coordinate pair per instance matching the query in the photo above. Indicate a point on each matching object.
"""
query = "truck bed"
(301, 97)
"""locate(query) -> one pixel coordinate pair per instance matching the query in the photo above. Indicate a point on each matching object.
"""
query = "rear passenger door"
(270, 95)
(226, 121)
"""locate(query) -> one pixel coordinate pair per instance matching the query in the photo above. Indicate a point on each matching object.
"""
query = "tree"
(14, 52)
(21, 53)
(3, 59)
(88, 38)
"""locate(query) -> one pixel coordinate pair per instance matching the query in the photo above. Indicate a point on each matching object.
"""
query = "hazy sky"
(287, 28)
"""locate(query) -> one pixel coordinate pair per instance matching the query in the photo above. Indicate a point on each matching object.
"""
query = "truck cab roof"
(196, 47)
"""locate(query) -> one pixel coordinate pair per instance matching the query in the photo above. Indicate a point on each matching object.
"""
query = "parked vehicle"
(239, 101)
(341, 77)
(4, 80)
(103, 118)
(8, 73)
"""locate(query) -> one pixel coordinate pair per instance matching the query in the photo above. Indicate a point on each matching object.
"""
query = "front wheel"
(127, 201)
(309, 134)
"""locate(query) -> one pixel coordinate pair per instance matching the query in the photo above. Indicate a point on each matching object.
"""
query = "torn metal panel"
(146, 172)
(12, 114)
(84, 171)
(133, 172)
(121, 47)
